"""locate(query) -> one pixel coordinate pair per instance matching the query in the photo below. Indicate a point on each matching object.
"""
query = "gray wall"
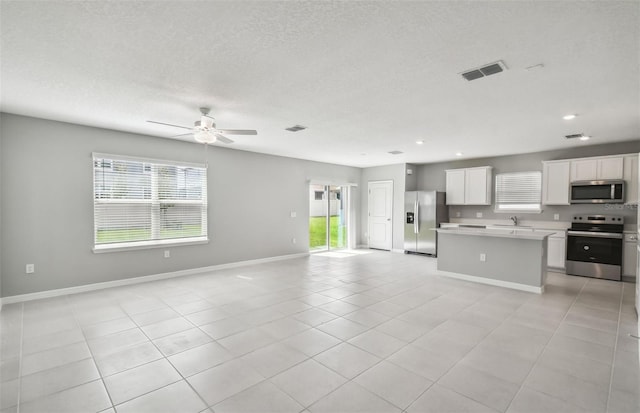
(432, 176)
(47, 206)
(395, 173)
(1, 230)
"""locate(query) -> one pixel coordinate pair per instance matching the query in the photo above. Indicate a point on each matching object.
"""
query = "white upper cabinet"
(555, 182)
(455, 187)
(557, 175)
(597, 168)
(469, 186)
(631, 179)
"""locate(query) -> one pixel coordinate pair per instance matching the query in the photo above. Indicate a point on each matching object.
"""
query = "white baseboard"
(489, 281)
(137, 280)
(397, 250)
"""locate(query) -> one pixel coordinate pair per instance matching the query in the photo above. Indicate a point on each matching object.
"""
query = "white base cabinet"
(629, 255)
(556, 251)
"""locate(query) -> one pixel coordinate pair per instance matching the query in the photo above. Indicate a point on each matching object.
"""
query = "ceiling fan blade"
(238, 131)
(182, 134)
(169, 124)
(223, 139)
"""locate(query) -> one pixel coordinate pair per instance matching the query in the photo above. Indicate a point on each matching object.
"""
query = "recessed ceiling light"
(569, 117)
(585, 138)
(458, 153)
(420, 142)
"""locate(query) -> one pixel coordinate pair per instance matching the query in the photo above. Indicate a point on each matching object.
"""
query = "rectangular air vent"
(395, 152)
(575, 136)
(296, 128)
(486, 70)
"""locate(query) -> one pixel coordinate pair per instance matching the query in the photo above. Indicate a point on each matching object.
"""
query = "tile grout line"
(93, 359)
(166, 358)
(457, 362)
(615, 349)
(522, 385)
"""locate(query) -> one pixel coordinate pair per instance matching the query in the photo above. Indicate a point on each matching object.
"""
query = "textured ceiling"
(365, 77)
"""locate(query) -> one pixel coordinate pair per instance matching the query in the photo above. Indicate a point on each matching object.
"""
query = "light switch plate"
(556, 217)
(293, 214)
(478, 214)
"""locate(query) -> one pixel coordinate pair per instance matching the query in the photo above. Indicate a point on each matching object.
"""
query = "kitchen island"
(510, 257)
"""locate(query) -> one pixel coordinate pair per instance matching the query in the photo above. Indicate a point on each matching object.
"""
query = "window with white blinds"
(519, 192)
(139, 202)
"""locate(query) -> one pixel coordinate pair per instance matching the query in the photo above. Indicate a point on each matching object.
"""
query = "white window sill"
(145, 245)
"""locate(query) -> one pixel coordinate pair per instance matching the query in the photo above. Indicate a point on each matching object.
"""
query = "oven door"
(596, 247)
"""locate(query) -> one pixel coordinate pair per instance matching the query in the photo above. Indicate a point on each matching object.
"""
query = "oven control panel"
(599, 219)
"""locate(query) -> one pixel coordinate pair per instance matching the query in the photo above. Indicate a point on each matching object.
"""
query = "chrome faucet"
(514, 219)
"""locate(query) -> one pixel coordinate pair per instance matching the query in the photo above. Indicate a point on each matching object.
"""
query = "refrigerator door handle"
(416, 227)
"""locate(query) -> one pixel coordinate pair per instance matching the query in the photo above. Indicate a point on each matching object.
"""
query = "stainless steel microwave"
(609, 191)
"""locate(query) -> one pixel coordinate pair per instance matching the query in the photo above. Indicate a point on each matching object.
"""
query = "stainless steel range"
(594, 246)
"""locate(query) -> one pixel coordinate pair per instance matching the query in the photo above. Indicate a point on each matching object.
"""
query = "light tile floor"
(365, 332)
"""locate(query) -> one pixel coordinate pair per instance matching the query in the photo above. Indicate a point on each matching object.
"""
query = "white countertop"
(500, 233)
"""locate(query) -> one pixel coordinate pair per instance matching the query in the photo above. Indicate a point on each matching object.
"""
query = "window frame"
(155, 202)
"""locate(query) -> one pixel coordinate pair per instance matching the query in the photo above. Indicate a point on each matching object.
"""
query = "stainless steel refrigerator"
(423, 211)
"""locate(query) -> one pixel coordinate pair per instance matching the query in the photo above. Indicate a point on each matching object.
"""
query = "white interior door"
(380, 224)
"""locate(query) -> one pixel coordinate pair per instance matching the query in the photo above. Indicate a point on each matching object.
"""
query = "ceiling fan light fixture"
(204, 136)
(206, 122)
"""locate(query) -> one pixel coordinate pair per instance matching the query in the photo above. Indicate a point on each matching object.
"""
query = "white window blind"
(142, 202)
(519, 191)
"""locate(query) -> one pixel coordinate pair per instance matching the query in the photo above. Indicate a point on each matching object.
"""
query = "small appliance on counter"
(424, 211)
(594, 246)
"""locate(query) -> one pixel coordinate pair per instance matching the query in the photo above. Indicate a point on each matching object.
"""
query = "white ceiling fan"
(205, 131)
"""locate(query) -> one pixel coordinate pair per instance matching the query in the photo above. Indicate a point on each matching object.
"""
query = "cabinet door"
(629, 256)
(555, 183)
(455, 187)
(610, 168)
(477, 186)
(631, 179)
(584, 170)
(556, 252)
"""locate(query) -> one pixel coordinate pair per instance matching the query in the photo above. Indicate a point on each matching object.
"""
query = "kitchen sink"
(510, 227)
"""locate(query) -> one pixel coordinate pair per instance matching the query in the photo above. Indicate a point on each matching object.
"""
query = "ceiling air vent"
(395, 152)
(296, 128)
(487, 70)
(580, 136)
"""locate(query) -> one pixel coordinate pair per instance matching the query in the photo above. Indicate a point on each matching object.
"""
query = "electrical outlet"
(167, 254)
(293, 240)
(556, 217)
(478, 214)
(458, 214)
(293, 214)
(30, 269)
(483, 257)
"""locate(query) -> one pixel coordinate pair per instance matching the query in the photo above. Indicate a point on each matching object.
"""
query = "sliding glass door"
(328, 206)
